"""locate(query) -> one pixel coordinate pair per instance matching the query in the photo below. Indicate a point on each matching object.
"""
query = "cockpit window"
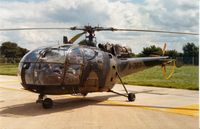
(53, 66)
(64, 47)
(75, 56)
(88, 53)
(54, 55)
(57, 54)
(32, 56)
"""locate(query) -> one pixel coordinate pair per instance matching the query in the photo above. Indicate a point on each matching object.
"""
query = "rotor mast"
(89, 29)
(91, 33)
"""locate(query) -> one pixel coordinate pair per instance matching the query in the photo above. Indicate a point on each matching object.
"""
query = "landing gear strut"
(131, 96)
(46, 102)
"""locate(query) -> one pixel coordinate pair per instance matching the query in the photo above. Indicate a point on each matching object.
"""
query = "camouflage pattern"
(72, 69)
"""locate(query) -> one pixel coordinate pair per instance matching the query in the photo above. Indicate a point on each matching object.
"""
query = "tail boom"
(133, 65)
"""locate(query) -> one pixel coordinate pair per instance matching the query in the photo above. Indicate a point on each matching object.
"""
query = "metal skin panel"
(132, 65)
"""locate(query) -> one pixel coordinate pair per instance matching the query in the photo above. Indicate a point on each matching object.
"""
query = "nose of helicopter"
(63, 54)
(46, 66)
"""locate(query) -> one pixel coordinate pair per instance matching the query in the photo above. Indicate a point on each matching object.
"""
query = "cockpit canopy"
(54, 65)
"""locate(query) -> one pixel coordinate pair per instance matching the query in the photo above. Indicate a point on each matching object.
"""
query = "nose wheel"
(46, 102)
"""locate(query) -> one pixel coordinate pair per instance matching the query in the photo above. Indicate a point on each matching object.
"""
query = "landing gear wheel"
(131, 97)
(47, 103)
(84, 94)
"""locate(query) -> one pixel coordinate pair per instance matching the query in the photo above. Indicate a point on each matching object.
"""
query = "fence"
(188, 60)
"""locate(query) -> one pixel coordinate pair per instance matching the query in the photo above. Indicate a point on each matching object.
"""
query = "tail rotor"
(167, 62)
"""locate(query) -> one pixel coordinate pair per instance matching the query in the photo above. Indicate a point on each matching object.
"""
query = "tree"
(171, 53)
(21, 52)
(190, 50)
(12, 50)
(152, 50)
(9, 49)
(190, 53)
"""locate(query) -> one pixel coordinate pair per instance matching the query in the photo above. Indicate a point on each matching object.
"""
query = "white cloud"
(180, 15)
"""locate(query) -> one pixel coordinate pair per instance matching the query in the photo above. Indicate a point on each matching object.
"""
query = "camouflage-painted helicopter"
(83, 68)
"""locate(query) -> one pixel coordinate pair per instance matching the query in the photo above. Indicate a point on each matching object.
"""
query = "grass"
(8, 69)
(185, 77)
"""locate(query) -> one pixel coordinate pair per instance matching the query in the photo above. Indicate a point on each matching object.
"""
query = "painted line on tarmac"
(13, 89)
(192, 110)
(189, 110)
(9, 82)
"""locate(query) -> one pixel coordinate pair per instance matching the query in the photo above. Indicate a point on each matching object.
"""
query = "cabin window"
(28, 73)
(73, 74)
(74, 67)
(75, 56)
(88, 53)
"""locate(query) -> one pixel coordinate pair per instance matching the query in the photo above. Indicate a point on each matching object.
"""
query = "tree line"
(190, 53)
(10, 52)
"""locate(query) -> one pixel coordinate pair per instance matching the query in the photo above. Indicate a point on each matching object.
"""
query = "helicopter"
(85, 67)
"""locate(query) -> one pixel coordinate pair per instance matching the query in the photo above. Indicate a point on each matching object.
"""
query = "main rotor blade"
(155, 31)
(35, 28)
(73, 39)
(89, 29)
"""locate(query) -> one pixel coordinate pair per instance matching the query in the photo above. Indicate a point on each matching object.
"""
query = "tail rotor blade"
(164, 49)
(164, 71)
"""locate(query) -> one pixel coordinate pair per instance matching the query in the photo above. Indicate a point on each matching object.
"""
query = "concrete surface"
(154, 108)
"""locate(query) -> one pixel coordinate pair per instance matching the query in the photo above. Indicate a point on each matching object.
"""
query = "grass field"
(8, 69)
(185, 77)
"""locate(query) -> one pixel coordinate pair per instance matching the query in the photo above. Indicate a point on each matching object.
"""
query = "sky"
(170, 15)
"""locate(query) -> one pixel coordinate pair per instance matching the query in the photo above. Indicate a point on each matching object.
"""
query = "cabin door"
(74, 64)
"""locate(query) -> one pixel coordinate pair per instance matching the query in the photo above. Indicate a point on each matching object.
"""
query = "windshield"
(52, 66)
(47, 54)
